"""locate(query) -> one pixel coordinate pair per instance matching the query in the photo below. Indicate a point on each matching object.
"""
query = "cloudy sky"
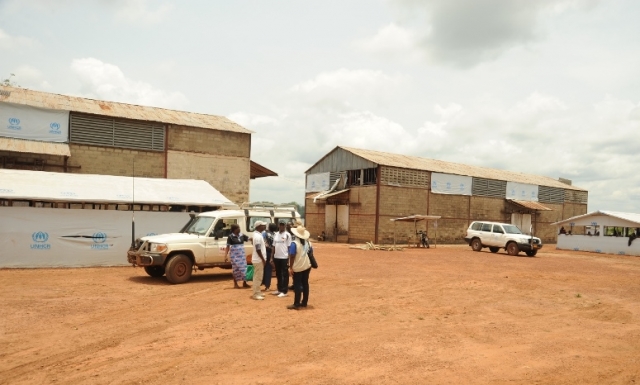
(544, 87)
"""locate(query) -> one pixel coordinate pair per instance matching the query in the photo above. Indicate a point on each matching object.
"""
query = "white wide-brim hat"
(300, 232)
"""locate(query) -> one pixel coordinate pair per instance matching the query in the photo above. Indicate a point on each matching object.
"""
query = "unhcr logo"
(99, 240)
(40, 239)
(14, 124)
(55, 128)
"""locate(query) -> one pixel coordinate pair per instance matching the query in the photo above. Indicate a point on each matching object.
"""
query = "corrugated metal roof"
(117, 110)
(630, 217)
(323, 196)
(260, 171)
(530, 205)
(425, 164)
(34, 147)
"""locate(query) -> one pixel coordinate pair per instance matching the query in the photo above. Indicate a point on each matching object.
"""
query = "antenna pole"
(133, 201)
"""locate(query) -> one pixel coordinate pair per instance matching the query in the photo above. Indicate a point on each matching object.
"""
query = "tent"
(79, 234)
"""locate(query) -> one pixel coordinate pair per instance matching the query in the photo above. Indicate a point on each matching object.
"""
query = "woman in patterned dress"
(235, 247)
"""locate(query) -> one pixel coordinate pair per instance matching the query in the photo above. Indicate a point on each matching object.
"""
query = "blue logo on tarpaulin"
(40, 238)
(99, 240)
(448, 185)
(14, 124)
(54, 128)
(461, 186)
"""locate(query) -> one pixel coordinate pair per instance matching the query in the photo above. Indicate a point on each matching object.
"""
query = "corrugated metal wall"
(489, 188)
(123, 133)
(341, 160)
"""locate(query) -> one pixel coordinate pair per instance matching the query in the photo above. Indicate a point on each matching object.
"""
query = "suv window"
(252, 220)
(486, 227)
(222, 228)
(476, 226)
(511, 229)
(498, 229)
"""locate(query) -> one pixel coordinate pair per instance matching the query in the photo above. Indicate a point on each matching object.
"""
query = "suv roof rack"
(262, 206)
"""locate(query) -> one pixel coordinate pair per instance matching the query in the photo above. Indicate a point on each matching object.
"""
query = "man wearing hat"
(300, 266)
(258, 259)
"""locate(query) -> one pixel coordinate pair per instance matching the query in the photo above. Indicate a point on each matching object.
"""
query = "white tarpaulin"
(67, 187)
(522, 191)
(25, 122)
(450, 184)
(318, 182)
(42, 237)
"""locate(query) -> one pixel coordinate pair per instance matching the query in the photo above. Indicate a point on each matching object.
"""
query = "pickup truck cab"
(498, 236)
(202, 241)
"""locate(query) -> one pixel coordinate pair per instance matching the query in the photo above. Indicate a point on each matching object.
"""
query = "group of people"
(284, 247)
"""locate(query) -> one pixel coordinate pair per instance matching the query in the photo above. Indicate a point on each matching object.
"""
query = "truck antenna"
(133, 201)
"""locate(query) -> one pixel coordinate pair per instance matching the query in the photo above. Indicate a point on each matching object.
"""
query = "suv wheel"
(494, 249)
(179, 269)
(154, 271)
(512, 248)
(476, 245)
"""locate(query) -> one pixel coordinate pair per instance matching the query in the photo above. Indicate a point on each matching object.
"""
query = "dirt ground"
(442, 316)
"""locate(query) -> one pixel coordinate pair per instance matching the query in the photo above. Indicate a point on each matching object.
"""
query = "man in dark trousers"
(281, 243)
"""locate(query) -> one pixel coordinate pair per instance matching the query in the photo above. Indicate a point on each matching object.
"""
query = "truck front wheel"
(154, 271)
(179, 269)
(512, 248)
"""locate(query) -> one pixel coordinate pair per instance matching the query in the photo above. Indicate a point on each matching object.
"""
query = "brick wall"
(362, 214)
(206, 141)
(396, 202)
(17, 157)
(115, 161)
(314, 216)
(229, 175)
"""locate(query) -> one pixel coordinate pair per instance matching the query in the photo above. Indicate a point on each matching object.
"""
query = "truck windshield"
(200, 226)
(511, 229)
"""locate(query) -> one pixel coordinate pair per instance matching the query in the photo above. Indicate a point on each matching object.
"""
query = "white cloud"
(467, 32)
(9, 42)
(142, 11)
(30, 77)
(392, 40)
(106, 81)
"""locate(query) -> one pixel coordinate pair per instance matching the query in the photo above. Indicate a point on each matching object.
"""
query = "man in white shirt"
(281, 242)
(258, 259)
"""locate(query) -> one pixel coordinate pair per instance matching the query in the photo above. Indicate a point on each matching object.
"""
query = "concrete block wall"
(396, 202)
(362, 214)
(206, 141)
(19, 157)
(314, 216)
(488, 209)
(229, 175)
(116, 161)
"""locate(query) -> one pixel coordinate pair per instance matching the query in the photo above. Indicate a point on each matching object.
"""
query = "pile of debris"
(371, 246)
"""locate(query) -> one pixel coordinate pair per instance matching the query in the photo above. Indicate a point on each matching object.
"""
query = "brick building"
(51, 132)
(352, 194)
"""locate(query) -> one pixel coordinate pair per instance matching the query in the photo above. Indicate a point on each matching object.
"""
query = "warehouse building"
(50, 132)
(352, 195)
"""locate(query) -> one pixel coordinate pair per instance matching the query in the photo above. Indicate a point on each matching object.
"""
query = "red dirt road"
(441, 316)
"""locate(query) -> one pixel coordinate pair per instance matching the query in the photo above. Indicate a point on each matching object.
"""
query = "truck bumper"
(145, 259)
(529, 247)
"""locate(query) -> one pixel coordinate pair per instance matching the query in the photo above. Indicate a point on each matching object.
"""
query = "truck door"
(497, 236)
(216, 242)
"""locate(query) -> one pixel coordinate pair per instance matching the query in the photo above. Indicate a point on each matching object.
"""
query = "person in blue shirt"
(300, 266)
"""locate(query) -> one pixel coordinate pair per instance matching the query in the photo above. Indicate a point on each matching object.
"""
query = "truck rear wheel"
(179, 269)
(476, 244)
(512, 248)
(154, 271)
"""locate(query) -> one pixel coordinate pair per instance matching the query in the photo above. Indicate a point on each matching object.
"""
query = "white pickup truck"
(498, 236)
(202, 241)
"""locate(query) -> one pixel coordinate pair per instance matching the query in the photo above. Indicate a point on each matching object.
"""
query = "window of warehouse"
(362, 177)
(111, 132)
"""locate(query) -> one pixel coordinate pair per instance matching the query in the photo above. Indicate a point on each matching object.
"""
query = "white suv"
(498, 236)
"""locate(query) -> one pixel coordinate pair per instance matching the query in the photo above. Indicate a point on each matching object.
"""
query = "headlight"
(158, 247)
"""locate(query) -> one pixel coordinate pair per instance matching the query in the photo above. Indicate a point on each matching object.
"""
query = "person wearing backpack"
(300, 266)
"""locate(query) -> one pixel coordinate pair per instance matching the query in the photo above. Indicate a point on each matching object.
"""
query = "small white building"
(601, 232)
